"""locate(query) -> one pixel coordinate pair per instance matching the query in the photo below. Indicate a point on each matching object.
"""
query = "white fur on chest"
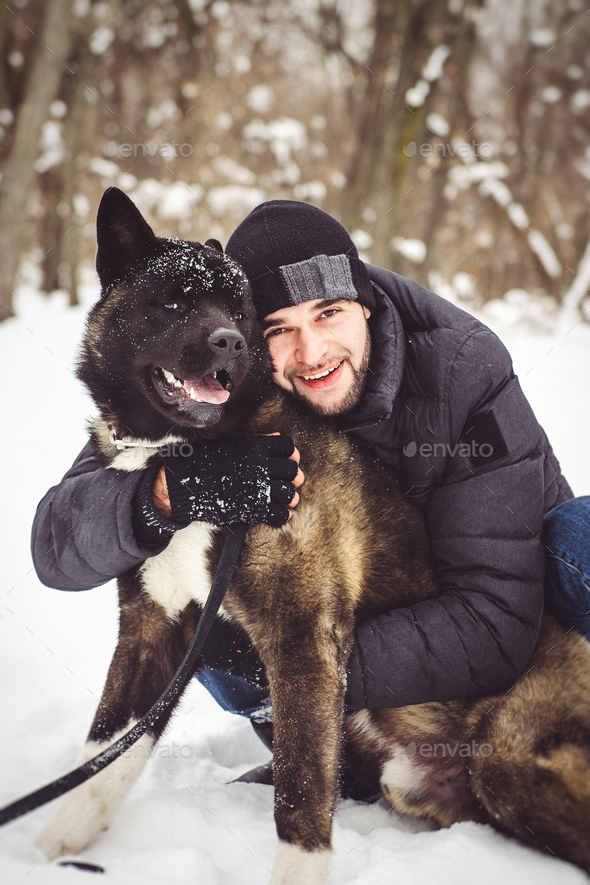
(180, 572)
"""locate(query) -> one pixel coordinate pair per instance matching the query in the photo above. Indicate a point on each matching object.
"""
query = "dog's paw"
(294, 865)
(91, 807)
(75, 825)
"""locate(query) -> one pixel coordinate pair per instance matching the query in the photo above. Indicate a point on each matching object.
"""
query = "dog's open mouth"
(213, 388)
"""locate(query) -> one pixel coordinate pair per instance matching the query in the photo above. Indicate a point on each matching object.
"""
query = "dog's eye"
(238, 316)
(171, 305)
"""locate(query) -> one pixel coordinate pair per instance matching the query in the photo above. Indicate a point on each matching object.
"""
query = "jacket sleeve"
(82, 532)
(484, 522)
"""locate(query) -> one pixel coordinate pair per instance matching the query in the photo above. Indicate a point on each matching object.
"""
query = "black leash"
(225, 569)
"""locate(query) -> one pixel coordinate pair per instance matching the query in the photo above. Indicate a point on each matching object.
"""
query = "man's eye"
(330, 312)
(273, 333)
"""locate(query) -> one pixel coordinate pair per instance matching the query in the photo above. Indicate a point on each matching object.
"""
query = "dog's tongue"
(206, 390)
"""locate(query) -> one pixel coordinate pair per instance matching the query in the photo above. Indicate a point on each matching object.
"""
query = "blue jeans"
(566, 536)
(236, 695)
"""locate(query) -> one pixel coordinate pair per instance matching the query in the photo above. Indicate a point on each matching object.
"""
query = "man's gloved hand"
(240, 478)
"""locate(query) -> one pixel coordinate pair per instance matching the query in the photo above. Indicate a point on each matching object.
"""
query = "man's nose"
(312, 347)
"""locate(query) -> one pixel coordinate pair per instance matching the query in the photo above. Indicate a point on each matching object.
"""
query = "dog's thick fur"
(352, 549)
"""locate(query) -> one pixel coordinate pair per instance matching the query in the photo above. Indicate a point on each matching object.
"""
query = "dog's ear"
(124, 236)
(215, 244)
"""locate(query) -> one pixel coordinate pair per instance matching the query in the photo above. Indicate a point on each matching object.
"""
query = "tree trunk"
(68, 237)
(18, 174)
(51, 185)
(388, 191)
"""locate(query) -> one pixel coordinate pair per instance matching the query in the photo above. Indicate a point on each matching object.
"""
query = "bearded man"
(431, 393)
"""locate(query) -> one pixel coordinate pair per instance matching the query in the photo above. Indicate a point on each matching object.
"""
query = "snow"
(551, 94)
(183, 822)
(417, 94)
(488, 175)
(542, 37)
(260, 99)
(545, 253)
(179, 200)
(434, 66)
(234, 199)
(413, 250)
(284, 135)
(52, 146)
(518, 215)
(101, 39)
(233, 171)
(6, 116)
(310, 190)
(438, 124)
(580, 101)
(167, 112)
(579, 287)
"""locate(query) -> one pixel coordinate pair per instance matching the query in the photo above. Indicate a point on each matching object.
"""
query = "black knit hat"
(293, 252)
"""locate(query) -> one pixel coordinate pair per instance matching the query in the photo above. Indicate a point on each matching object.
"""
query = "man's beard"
(352, 396)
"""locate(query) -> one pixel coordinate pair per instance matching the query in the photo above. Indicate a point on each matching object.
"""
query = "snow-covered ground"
(182, 822)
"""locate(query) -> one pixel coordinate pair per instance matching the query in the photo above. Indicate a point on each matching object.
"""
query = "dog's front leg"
(307, 693)
(150, 647)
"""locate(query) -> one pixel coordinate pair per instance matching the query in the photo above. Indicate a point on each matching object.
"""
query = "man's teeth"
(321, 374)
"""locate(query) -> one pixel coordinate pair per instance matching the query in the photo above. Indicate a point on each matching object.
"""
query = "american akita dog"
(298, 590)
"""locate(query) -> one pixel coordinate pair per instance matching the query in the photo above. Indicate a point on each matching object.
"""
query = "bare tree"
(18, 172)
(425, 47)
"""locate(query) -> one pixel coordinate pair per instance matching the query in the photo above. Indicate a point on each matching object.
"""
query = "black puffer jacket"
(445, 412)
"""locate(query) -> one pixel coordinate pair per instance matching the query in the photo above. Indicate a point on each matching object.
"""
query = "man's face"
(320, 352)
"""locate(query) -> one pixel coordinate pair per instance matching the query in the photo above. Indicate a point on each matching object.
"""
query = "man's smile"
(325, 378)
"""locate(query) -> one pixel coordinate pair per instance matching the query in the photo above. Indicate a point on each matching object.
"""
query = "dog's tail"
(533, 779)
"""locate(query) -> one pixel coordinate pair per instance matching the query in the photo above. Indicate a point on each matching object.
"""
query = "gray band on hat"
(323, 276)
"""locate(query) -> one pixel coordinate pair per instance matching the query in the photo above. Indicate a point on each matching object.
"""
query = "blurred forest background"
(451, 137)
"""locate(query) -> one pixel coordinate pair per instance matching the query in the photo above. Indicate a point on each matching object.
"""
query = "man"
(431, 393)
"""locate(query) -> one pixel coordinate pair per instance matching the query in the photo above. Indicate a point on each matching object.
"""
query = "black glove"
(241, 478)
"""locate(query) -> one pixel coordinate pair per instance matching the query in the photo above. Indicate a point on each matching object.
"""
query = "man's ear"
(215, 244)
(366, 311)
(124, 237)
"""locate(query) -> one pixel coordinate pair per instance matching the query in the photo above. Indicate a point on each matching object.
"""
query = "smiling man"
(320, 352)
(430, 392)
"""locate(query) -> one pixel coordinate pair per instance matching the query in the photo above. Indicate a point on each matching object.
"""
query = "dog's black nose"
(227, 340)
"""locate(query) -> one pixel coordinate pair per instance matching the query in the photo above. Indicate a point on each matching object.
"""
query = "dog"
(299, 590)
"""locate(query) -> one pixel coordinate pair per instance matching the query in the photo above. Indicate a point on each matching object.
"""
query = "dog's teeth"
(214, 374)
(170, 378)
(194, 396)
(179, 384)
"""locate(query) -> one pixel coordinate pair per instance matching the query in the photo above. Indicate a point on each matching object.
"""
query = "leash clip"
(121, 444)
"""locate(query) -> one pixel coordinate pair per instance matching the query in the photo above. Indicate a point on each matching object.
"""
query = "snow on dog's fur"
(298, 590)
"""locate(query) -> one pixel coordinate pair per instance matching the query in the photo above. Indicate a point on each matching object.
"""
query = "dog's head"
(173, 345)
